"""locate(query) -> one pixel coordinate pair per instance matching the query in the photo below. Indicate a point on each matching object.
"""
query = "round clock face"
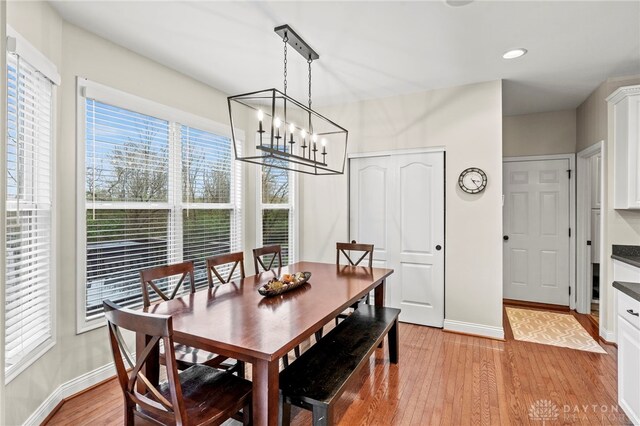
(472, 180)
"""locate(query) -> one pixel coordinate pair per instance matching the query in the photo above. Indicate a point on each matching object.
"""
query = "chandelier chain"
(309, 62)
(286, 39)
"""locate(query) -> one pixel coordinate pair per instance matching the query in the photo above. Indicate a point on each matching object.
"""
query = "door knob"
(438, 247)
(506, 238)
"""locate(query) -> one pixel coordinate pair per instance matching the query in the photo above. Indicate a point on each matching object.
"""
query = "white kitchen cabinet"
(628, 339)
(629, 368)
(624, 110)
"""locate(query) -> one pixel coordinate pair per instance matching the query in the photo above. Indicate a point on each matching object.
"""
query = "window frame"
(292, 206)
(89, 89)
(17, 44)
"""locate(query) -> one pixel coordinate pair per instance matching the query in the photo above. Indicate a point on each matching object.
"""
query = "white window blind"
(211, 215)
(276, 210)
(157, 192)
(29, 224)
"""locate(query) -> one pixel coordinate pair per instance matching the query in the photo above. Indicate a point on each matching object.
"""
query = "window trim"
(293, 206)
(50, 342)
(87, 88)
(19, 45)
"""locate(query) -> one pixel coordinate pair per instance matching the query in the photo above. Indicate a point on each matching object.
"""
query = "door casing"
(583, 182)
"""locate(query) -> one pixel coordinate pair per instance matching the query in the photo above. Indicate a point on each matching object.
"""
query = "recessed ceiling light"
(458, 3)
(514, 53)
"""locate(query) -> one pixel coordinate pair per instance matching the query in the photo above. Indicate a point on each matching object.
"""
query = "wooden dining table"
(234, 320)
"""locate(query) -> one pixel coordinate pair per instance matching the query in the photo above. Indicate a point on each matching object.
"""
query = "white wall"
(467, 121)
(621, 226)
(79, 53)
(539, 134)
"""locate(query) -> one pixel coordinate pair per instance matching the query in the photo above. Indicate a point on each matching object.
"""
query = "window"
(157, 191)
(277, 213)
(29, 244)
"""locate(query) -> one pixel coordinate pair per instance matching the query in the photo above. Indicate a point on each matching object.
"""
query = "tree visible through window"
(277, 209)
(157, 192)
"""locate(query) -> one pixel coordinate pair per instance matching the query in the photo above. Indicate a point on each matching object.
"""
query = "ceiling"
(378, 49)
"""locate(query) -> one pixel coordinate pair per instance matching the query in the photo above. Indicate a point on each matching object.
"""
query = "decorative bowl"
(287, 282)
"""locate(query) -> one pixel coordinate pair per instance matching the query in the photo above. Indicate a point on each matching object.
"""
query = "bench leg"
(247, 416)
(394, 343)
(284, 412)
(378, 298)
(322, 416)
(240, 368)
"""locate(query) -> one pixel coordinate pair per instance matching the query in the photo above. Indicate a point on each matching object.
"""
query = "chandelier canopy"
(288, 134)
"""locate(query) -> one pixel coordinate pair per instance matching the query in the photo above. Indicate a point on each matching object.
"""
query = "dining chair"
(260, 255)
(366, 249)
(224, 259)
(346, 249)
(197, 395)
(150, 277)
(186, 356)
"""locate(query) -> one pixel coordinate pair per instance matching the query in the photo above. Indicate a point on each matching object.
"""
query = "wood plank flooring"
(446, 379)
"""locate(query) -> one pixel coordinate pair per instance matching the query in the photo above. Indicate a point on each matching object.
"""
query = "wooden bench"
(316, 379)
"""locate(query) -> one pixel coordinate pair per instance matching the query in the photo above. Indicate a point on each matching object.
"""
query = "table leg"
(151, 368)
(265, 393)
(379, 294)
(379, 299)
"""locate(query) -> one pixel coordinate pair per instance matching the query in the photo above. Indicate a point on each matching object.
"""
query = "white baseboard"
(475, 329)
(608, 335)
(69, 388)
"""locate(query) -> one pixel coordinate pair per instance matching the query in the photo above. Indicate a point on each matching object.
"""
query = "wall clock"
(472, 180)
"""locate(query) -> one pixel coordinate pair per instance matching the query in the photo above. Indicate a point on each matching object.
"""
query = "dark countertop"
(627, 254)
(630, 289)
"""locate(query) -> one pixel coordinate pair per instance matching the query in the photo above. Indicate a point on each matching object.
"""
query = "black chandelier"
(288, 134)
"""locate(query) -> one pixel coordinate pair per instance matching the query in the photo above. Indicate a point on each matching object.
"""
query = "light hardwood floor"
(446, 379)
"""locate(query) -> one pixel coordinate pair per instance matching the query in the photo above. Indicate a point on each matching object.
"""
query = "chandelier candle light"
(281, 113)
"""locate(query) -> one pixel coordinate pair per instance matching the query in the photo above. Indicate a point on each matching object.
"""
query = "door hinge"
(588, 242)
(569, 232)
(569, 291)
(569, 172)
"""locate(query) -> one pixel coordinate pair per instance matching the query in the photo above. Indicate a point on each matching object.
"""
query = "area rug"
(551, 328)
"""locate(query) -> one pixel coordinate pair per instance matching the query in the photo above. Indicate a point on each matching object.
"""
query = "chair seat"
(210, 396)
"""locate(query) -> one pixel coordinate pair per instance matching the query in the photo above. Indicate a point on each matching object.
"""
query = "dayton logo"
(544, 410)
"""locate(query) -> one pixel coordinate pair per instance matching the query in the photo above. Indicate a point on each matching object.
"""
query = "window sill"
(84, 326)
(35, 355)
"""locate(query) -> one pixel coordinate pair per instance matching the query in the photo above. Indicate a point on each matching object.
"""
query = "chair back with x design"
(224, 259)
(275, 251)
(343, 248)
(129, 370)
(149, 278)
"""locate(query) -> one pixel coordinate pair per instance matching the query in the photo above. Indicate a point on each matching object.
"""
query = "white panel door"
(369, 187)
(407, 218)
(417, 242)
(536, 230)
